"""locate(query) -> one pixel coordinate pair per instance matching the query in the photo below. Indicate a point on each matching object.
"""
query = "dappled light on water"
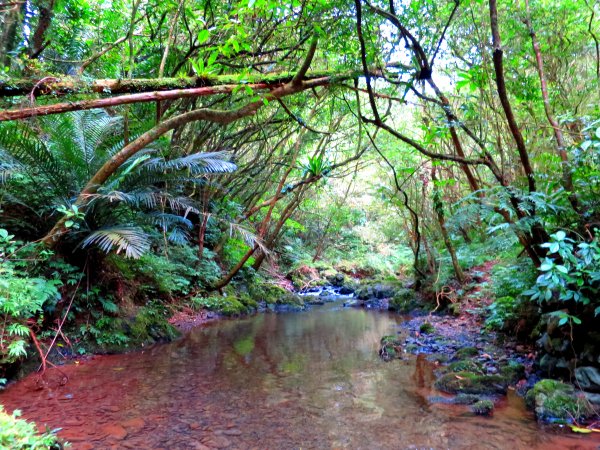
(298, 380)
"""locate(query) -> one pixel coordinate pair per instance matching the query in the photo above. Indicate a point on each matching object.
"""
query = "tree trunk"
(38, 42)
(439, 210)
(567, 179)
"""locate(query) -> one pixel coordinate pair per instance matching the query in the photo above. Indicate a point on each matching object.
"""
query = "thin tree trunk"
(503, 95)
(439, 210)
(567, 179)
(38, 42)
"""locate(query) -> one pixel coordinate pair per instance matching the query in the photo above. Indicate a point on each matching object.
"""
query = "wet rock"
(548, 363)
(553, 400)
(467, 352)
(594, 399)
(471, 383)
(353, 303)
(465, 399)
(115, 431)
(311, 300)
(588, 378)
(346, 290)
(483, 408)
(338, 279)
(376, 304)
(376, 291)
(465, 365)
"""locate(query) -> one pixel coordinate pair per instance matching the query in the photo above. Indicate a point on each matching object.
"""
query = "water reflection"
(307, 380)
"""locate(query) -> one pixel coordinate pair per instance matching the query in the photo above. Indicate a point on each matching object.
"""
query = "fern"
(133, 241)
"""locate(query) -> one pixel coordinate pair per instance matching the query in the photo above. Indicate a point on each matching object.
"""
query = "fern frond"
(196, 163)
(132, 240)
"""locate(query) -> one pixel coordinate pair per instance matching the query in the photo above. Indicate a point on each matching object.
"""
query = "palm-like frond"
(196, 163)
(248, 236)
(132, 240)
(148, 198)
(21, 143)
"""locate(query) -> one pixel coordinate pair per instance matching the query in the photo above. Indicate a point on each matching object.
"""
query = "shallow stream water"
(310, 380)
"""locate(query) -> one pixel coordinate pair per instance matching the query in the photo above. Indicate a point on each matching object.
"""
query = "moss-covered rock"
(513, 372)
(465, 365)
(378, 289)
(290, 302)
(471, 383)
(391, 348)
(466, 399)
(554, 401)
(404, 301)
(483, 407)
(266, 292)
(426, 328)
(466, 352)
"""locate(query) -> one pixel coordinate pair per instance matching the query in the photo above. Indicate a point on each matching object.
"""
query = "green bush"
(510, 280)
(501, 311)
(22, 298)
(18, 434)
(571, 271)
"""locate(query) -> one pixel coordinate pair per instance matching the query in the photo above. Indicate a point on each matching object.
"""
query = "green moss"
(465, 365)
(465, 399)
(228, 305)
(483, 408)
(426, 328)
(513, 372)
(290, 299)
(403, 301)
(466, 352)
(390, 339)
(265, 292)
(248, 302)
(454, 309)
(553, 400)
(390, 348)
(150, 325)
(471, 383)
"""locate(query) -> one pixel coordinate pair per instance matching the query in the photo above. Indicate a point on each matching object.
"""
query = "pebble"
(216, 441)
(136, 423)
(233, 432)
(115, 431)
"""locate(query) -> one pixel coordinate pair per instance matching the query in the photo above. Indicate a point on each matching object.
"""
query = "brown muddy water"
(309, 380)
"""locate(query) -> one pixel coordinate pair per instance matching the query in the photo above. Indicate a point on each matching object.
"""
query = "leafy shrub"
(570, 272)
(22, 298)
(18, 434)
(513, 279)
(501, 311)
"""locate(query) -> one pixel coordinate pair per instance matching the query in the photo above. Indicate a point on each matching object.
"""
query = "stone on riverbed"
(483, 408)
(588, 378)
(554, 401)
(471, 383)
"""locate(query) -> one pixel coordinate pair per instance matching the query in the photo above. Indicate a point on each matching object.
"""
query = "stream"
(272, 381)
